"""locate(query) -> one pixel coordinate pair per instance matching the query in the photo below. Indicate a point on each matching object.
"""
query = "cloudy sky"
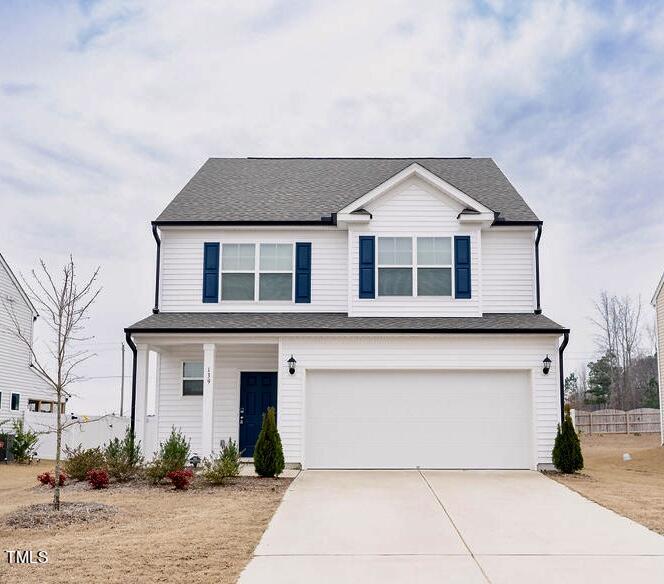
(108, 108)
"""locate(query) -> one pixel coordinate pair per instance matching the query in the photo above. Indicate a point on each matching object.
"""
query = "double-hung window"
(238, 265)
(429, 275)
(434, 266)
(266, 277)
(192, 378)
(276, 271)
(395, 266)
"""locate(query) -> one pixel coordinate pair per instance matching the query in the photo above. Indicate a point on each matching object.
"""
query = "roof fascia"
(18, 286)
(416, 169)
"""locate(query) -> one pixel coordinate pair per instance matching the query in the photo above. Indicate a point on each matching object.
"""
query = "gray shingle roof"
(307, 189)
(332, 322)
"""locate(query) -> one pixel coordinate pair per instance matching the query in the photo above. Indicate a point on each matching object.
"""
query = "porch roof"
(340, 322)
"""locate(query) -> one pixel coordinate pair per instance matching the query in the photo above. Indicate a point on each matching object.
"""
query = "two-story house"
(389, 309)
(21, 388)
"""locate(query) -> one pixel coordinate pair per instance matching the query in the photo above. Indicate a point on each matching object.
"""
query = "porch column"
(142, 365)
(207, 427)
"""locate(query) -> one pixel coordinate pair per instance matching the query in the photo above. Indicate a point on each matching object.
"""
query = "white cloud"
(109, 109)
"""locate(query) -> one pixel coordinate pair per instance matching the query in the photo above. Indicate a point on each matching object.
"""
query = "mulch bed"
(43, 515)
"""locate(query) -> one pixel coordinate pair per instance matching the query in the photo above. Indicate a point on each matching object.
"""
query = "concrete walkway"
(448, 526)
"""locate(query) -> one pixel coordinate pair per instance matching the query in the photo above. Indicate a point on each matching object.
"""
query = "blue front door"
(258, 392)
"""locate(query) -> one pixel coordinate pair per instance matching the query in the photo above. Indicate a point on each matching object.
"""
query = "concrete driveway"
(448, 526)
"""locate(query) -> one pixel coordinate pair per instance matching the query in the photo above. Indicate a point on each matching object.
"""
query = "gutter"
(155, 234)
(562, 375)
(134, 351)
(331, 220)
(331, 331)
(538, 309)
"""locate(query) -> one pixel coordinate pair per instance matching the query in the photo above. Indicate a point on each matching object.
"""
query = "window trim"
(183, 378)
(414, 265)
(11, 402)
(257, 271)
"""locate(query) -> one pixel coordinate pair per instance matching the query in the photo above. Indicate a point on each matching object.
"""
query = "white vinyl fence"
(642, 420)
(89, 431)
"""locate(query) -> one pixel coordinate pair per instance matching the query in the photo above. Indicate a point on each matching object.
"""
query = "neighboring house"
(20, 387)
(658, 303)
(388, 308)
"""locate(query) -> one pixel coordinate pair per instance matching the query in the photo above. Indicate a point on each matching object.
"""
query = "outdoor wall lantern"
(291, 365)
(547, 365)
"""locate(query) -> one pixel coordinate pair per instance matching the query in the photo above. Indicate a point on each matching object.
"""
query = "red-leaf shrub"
(181, 478)
(46, 478)
(98, 478)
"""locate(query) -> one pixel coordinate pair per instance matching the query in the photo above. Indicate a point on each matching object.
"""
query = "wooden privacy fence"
(641, 420)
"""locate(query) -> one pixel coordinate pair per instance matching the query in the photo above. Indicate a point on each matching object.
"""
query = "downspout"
(538, 309)
(562, 376)
(134, 351)
(155, 234)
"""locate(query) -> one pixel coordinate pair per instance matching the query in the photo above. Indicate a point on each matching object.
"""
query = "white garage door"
(406, 419)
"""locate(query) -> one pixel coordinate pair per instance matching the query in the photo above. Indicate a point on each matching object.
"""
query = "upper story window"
(240, 280)
(431, 275)
(434, 266)
(395, 266)
(192, 378)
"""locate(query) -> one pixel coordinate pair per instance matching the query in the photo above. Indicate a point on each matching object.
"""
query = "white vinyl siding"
(414, 209)
(659, 312)
(182, 269)
(15, 373)
(424, 352)
(186, 412)
(508, 270)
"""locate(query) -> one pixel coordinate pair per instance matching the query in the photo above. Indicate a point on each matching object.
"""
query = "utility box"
(6, 441)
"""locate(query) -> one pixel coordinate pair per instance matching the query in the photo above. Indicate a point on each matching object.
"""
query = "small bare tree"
(65, 305)
(619, 323)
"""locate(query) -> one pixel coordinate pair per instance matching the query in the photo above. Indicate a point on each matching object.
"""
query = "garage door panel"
(405, 419)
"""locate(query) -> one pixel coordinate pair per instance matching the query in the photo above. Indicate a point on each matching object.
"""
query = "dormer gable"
(467, 208)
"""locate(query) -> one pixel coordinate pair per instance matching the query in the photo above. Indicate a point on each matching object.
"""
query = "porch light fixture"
(547, 365)
(291, 365)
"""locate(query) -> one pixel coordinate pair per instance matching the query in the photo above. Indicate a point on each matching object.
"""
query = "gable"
(413, 201)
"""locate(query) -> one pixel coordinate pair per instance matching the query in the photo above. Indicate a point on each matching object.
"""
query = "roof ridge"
(348, 158)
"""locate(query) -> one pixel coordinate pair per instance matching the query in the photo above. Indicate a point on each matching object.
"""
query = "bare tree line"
(625, 374)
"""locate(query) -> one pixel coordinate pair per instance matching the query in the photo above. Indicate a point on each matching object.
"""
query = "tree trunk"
(58, 445)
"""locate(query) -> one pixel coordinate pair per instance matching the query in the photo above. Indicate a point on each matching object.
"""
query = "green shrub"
(225, 464)
(268, 453)
(567, 457)
(173, 455)
(24, 445)
(80, 460)
(123, 457)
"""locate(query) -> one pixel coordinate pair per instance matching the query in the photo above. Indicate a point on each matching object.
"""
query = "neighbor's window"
(16, 399)
(395, 266)
(238, 263)
(276, 271)
(434, 266)
(192, 378)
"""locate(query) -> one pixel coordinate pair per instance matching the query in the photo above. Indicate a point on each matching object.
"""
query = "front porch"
(211, 389)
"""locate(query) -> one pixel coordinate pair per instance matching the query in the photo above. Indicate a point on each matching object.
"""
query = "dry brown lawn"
(634, 489)
(158, 535)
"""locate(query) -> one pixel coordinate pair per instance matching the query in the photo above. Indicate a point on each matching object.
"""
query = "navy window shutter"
(303, 273)
(367, 282)
(211, 272)
(462, 266)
